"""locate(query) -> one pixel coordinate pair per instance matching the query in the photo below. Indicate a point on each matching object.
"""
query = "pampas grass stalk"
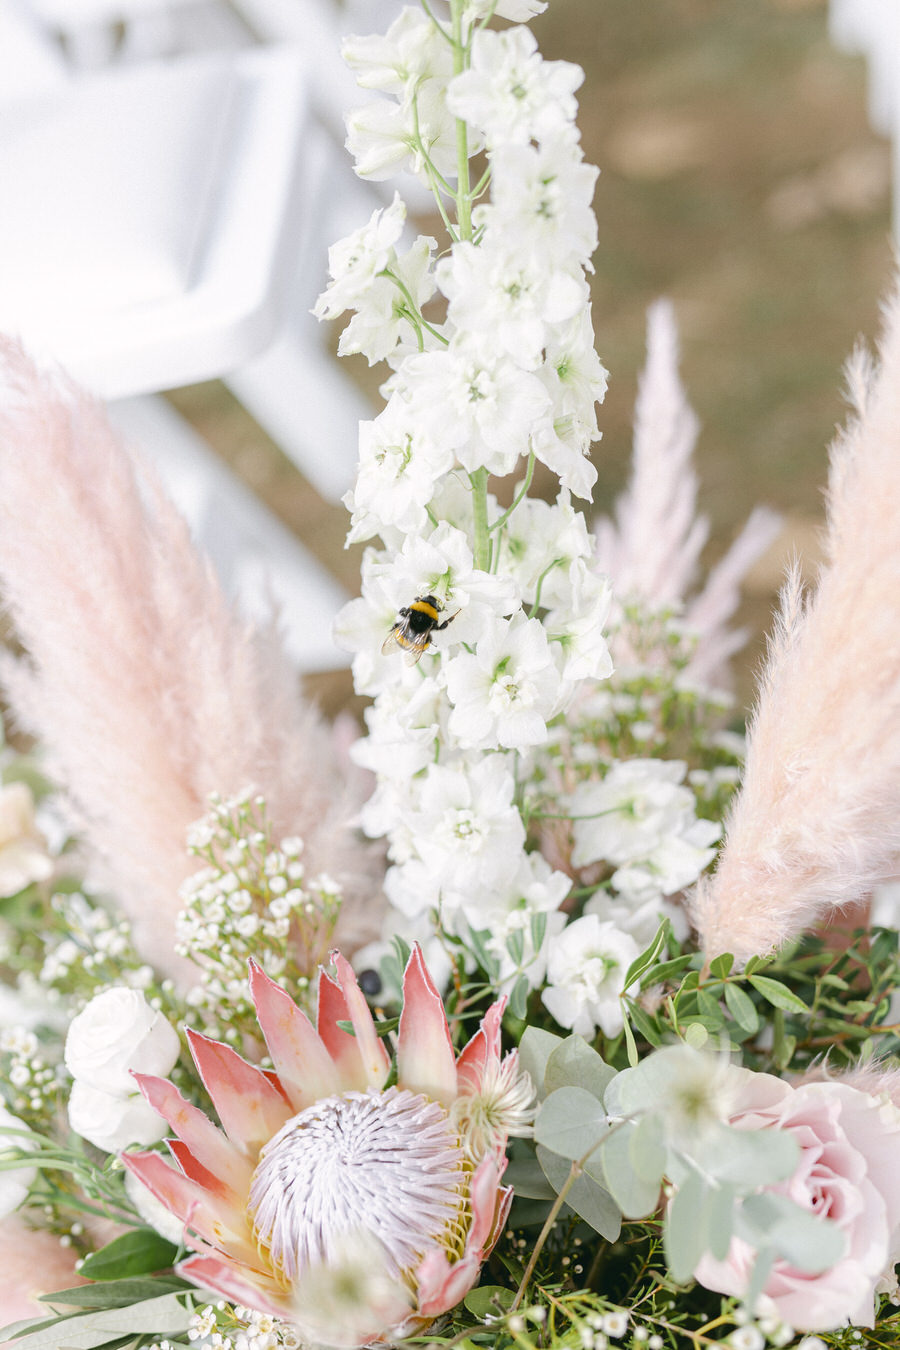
(817, 823)
(146, 689)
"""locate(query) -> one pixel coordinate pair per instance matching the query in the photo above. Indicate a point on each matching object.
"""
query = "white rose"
(16, 1183)
(112, 1122)
(23, 852)
(153, 1211)
(117, 1033)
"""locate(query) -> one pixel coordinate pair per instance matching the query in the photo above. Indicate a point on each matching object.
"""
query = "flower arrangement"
(573, 1063)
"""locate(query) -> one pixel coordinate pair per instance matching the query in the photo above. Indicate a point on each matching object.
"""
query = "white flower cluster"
(495, 608)
(251, 899)
(227, 1327)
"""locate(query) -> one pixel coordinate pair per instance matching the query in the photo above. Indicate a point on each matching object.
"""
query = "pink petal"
(304, 1067)
(211, 1272)
(440, 1285)
(361, 1058)
(249, 1106)
(222, 1224)
(484, 1190)
(209, 1146)
(425, 1059)
(195, 1171)
(484, 1046)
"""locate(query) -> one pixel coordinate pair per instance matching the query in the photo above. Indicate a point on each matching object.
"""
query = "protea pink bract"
(319, 1155)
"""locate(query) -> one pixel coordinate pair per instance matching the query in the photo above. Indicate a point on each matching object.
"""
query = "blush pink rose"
(32, 1262)
(849, 1172)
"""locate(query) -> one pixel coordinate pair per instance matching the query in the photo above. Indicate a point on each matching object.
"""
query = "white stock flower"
(17, 1182)
(23, 851)
(510, 94)
(398, 469)
(116, 1033)
(478, 403)
(630, 812)
(505, 691)
(111, 1121)
(505, 288)
(382, 319)
(356, 262)
(586, 975)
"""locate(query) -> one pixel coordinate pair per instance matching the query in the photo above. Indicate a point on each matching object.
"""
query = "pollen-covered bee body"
(412, 629)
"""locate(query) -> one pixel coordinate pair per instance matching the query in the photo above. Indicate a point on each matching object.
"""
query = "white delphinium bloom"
(441, 564)
(386, 315)
(575, 626)
(504, 288)
(517, 10)
(544, 194)
(468, 832)
(510, 94)
(398, 468)
(393, 62)
(541, 540)
(520, 920)
(626, 815)
(586, 976)
(638, 906)
(356, 262)
(505, 691)
(385, 137)
(476, 402)
(403, 727)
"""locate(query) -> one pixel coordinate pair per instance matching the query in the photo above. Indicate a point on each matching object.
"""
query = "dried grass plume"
(817, 823)
(145, 688)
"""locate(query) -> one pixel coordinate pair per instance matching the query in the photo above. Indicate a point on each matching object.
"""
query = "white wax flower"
(116, 1033)
(411, 50)
(542, 195)
(505, 691)
(586, 975)
(355, 263)
(506, 289)
(17, 1182)
(476, 402)
(398, 468)
(381, 320)
(111, 1121)
(630, 812)
(510, 94)
(23, 851)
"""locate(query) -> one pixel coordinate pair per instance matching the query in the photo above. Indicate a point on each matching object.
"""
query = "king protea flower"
(320, 1161)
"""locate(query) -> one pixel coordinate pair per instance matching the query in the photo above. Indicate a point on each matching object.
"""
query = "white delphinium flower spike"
(510, 94)
(504, 692)
(586, 976)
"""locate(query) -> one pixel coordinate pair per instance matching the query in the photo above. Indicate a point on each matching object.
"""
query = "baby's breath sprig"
(251, 899)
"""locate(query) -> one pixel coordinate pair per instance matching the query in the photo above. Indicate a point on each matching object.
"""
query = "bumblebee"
(412, 629)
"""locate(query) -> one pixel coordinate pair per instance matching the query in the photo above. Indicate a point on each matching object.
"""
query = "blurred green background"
(740, 177)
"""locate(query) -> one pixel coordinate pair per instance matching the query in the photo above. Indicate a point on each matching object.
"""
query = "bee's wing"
(392, 643)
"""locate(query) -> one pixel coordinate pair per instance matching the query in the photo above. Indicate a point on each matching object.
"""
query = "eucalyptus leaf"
(489, 1300)
(527, 1179)
(809, 1242)
(635, 1195)
(720, 1215)
(762, 1268)
(140, 1251)
(747, 1158)
(683, 1236)
(587, 1197)
(574, 1063)
(86, 1331)
(535, 1049)
(696, 1035)
(647, 1149)
(571, 1122)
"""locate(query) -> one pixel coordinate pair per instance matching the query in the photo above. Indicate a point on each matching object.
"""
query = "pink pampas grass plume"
(32, 1262)
(146, 689)
(651, 551)
(817, 822)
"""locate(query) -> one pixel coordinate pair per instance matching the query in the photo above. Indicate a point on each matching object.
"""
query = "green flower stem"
(523, 492)
(482, 550)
